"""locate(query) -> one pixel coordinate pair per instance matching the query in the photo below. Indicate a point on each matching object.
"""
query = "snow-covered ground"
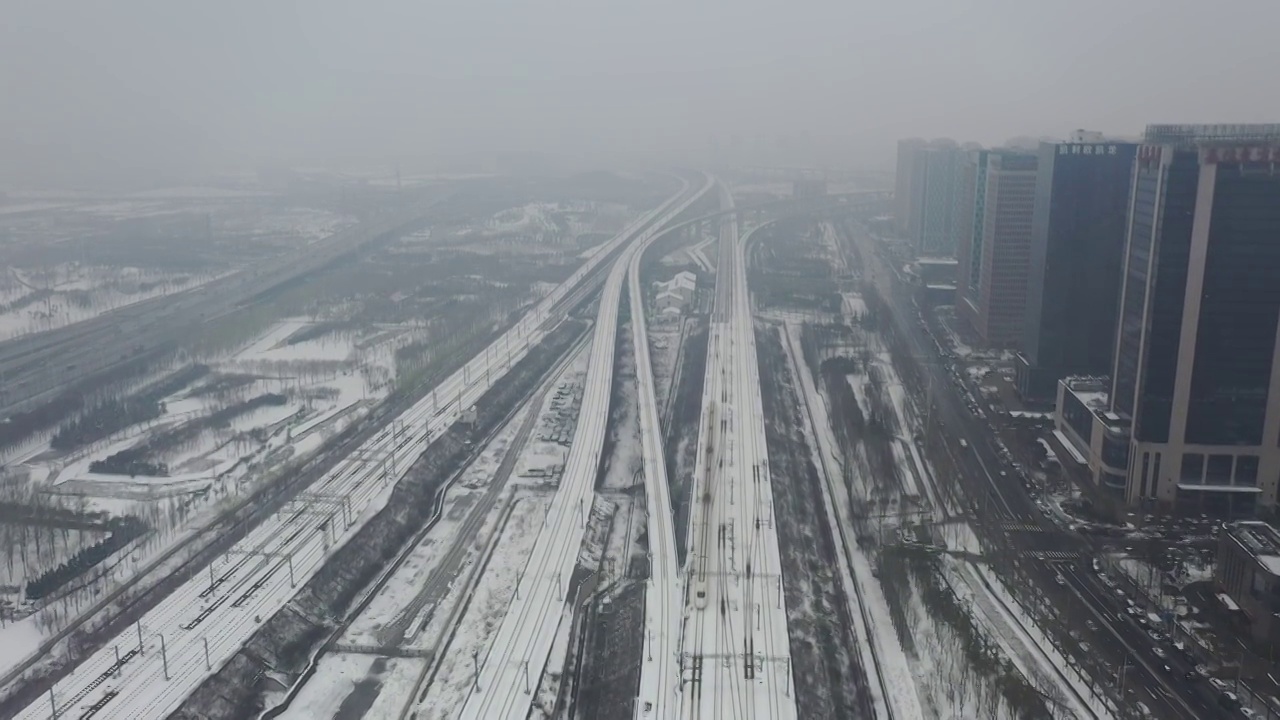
(356, 685)
(405, 584)
(913, 640)
(489, 562)
(328, 382)
(664, 350)
(34, 302)
(541, 226)
(32, 549)
(485, 610)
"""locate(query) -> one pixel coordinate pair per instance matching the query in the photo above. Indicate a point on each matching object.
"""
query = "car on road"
(1160, 653)
(1143, 710)
(1249, 712)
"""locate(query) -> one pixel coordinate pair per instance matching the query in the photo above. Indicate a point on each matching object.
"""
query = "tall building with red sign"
(1194, 415)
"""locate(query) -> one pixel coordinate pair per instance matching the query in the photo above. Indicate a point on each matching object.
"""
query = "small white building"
(683, 285)
(670, 300)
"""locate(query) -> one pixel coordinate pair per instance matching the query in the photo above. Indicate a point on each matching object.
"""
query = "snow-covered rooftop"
(685, 279)
(1091, 391)
(1258, 538)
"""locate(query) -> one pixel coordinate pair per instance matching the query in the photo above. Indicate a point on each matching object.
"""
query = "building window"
(1247, 470)
(1192, 468)
(1115, 452)
(1146, 462)
(1218, 470)
(1113, 480)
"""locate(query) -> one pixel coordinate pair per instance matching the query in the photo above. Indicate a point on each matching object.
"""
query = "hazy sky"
(94, 88)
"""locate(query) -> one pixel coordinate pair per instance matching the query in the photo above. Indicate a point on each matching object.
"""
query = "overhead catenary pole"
(475, 670)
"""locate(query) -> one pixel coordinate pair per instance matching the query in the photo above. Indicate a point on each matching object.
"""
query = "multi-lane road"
(149, 669)
(735, 659)
(1000, 500)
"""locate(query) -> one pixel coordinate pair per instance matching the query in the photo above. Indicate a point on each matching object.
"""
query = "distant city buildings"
(929, 175)
(907, 183)
(1140, 283)
(995, 254)
(1077, 247)
(809, 185)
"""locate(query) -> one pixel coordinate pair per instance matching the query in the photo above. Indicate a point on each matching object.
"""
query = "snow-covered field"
(356, 685)
(327, 383)
(664, 349)
(486, 608)
(424, 560)
(547, 227)
(32, 302)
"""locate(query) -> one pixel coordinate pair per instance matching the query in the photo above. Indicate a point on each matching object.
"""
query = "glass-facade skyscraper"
(1077, 248)
(1195, 370)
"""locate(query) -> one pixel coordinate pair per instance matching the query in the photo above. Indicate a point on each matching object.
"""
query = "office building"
(1077, 246)
(997, 205)
(1248, 575)
(1195, 369)
(908, 183)
(925, 194)
(1095, 436)
(933, 232)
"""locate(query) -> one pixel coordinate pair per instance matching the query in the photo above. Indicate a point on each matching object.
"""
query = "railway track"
(252, 521)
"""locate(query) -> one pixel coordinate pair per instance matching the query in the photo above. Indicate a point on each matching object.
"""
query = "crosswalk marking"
(1018, 526)
(1055, 555)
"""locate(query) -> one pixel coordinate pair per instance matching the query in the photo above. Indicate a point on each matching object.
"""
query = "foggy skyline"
(139, 89)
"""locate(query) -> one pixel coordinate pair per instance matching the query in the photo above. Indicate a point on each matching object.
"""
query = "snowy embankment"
(1024, 643)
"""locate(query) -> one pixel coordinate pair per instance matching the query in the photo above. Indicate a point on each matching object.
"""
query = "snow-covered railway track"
(172, 661)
